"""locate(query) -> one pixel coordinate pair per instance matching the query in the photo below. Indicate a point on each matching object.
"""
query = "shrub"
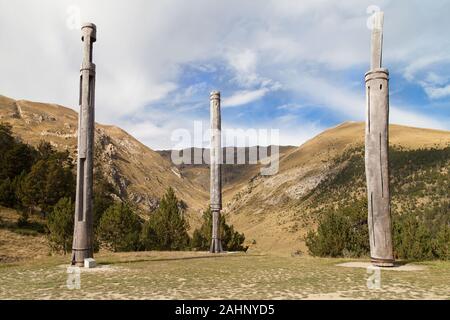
(341, 233)
(23, 219)
(412, 240)
(60, 225)
(344, 232)
(441, 244)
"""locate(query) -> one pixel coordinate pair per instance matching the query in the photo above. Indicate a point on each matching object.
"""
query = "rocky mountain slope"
(234, 175)
(139, 174)
(274, 212)
(327, 172)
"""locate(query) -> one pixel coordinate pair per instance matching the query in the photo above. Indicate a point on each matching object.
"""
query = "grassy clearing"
(196, 275)
(21, 243)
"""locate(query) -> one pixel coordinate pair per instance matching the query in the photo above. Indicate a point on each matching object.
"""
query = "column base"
(216, 246)
(382, 262)
(78, 264)
(78, 256)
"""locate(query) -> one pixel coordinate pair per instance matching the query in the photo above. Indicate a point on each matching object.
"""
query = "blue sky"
(296, 66)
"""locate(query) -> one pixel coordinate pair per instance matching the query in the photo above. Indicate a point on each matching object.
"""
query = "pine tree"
(15, 156)
(7, 195)
(60, 225)
(167, 228)
(103, 196)
(120, 228)
(32, 187)
(231, 239)
(48, 181)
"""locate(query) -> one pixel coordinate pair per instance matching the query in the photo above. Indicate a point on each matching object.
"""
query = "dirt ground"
(197, 275)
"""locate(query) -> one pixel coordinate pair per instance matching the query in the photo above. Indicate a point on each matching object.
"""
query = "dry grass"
(195, 275)
(18, 243)
(29, 272)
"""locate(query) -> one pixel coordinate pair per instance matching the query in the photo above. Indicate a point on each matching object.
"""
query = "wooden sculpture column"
(376, 152)
(83, 227)
(215, 171)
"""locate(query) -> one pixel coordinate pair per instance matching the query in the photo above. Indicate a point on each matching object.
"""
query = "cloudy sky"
(297, 66)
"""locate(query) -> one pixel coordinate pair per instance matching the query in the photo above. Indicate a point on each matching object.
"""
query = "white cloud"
(293, 132)
(287, 118)
(332, 94)
(400, 115)
(342, 99)
(304, 47)
(290, 106)
(431, 73)
(422, 63)
(244, 97)
(243, 61)
(438, 92)
(436, 79)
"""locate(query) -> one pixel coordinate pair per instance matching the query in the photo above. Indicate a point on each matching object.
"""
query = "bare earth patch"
(200, 275)
(97, 269)
(399, 267)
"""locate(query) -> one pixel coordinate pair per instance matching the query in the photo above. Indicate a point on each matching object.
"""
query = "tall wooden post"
(376, 152)
(83, 227)
(215, 171)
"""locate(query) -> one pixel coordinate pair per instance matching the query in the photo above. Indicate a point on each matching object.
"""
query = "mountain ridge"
(273, 211)
(139, 173)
